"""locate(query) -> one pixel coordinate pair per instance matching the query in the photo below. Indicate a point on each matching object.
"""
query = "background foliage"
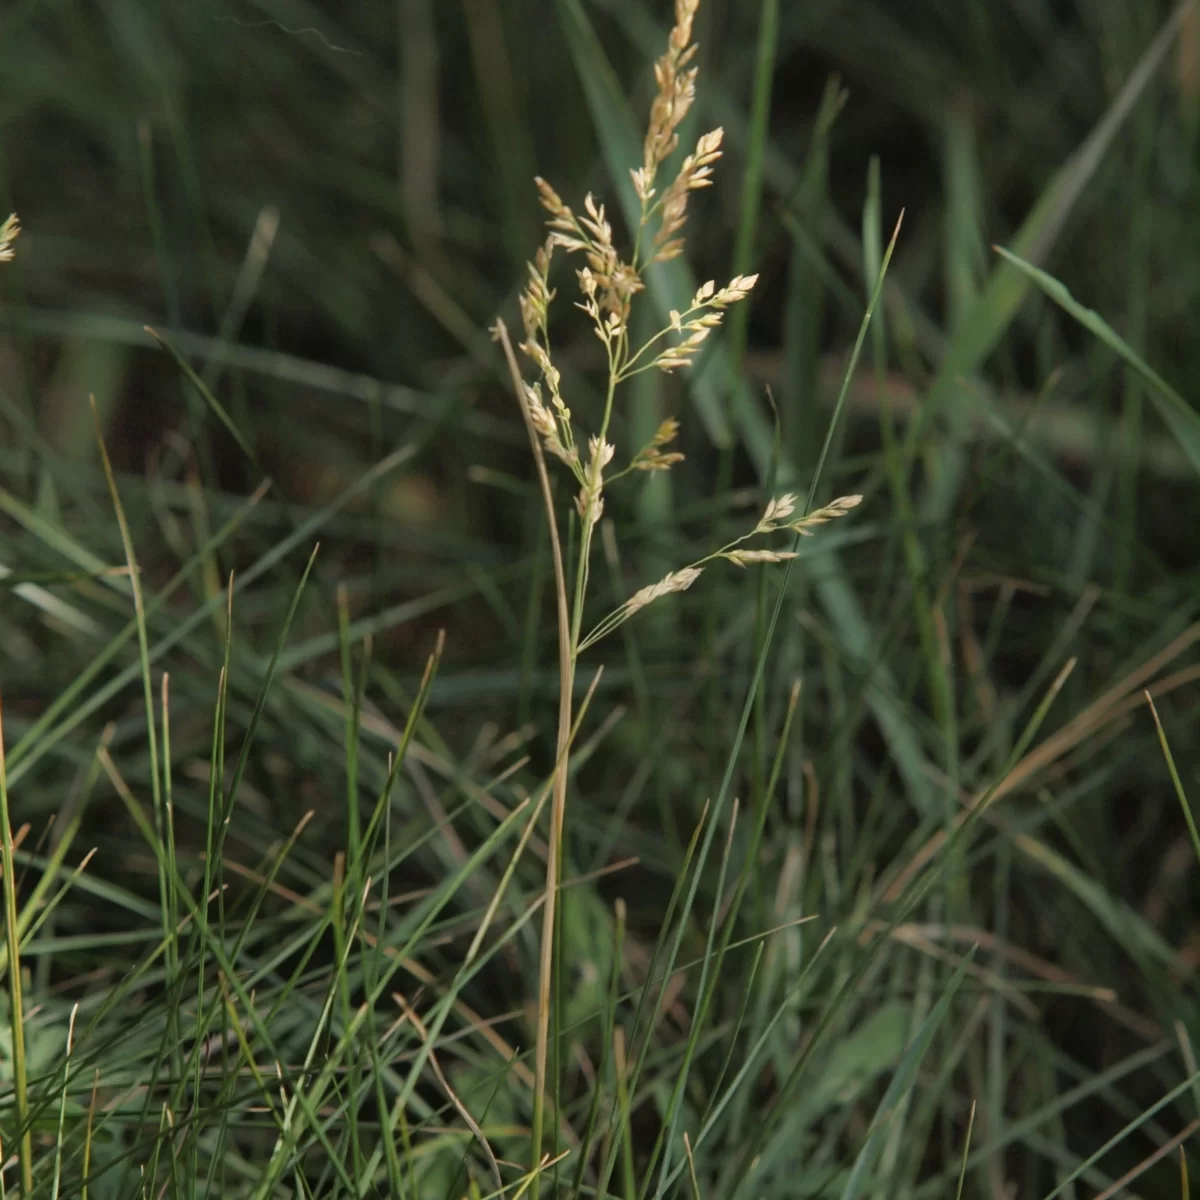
(321, 208)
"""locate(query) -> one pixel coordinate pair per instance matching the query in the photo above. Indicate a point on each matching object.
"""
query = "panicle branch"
(704, 315)
(674, 96)
(777, 512)
(554, 427)
(696, 172)
(651, 457)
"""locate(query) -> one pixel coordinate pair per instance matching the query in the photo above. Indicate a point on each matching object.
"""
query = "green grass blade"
(989, 318)
(1117, 1138)
(35, 744)
(903, 1081)
(752, 178)
(16, 1001)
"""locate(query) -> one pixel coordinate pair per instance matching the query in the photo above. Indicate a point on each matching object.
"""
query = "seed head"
(743, 558)
(651, 456)
(673, 581)
(778, 511)
(836, 508)
(738, 288)
(674, 96)
(696, 172)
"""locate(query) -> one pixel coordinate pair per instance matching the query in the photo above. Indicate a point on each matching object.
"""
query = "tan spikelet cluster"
(781, 508)
(777, 512)
(743, 558)
(553, 424)
(696, 172)
(548, 426)
(651, 457)
(676, 90)
(8, 235)
(609, 282)
(612, 282)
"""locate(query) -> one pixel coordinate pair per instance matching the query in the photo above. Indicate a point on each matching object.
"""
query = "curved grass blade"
(204, 390)
(1181, 418)
(1176, 782)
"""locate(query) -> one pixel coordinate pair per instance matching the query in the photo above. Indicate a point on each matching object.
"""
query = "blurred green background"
(322, 207)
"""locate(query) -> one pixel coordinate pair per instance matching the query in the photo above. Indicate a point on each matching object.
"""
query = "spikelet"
(743, 558)
(704, 315)
(738, 288)
(673, 581)
(684, 354)
(547, 426)
(589, 504)
(777, 512)
(696, 172)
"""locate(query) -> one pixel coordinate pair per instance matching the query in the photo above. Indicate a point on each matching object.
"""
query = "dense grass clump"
(727, 739)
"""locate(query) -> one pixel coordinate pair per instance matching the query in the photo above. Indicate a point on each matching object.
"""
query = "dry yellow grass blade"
(1112, 705)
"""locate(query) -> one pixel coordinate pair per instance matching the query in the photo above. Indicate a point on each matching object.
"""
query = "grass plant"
(397, 801)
